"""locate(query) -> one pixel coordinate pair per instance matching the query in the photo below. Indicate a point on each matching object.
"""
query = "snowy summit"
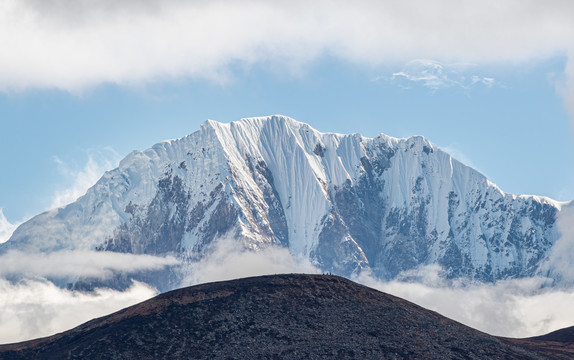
(345, 202)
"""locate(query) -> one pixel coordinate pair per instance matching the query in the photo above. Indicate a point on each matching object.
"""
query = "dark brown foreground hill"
(272, 317)
(558, 344)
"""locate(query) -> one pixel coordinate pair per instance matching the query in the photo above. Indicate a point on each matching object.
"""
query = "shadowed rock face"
(272, 317)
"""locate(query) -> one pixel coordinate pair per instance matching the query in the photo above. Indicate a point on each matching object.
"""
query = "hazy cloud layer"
(517, 308)
(71, 45)
(37, 308)
(62, 264)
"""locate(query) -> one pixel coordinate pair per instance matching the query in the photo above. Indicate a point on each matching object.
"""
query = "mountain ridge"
(346, 202)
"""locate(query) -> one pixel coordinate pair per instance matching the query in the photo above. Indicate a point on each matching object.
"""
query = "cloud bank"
(512, 308)
(32, 306)
(35, 307)
(73, 45)
(516, 308)
(38, 308)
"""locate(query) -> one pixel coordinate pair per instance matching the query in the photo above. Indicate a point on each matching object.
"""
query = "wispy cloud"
(6, 228)
(76, 181)
(455, 151)
(436, 76)
(560, 262)
(37, 308)
(81, 178)
(229, 259)
(61, 264)
(566, 87)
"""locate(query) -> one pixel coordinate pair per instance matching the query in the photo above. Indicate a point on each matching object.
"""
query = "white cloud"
(62, 264)
(83, 178)
(34, 308)
(229, 259)
(435, 76)
(513, 308)
(76, 45)
(71, 45)
(37, 308)
(6, 228)
(560, 262)
(568, 87)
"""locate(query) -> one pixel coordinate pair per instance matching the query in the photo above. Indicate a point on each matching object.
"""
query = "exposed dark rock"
(156, 230)
(335, 247)
(319, 150)
(278, 230)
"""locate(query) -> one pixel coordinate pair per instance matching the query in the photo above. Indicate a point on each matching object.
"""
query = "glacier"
(347, 203)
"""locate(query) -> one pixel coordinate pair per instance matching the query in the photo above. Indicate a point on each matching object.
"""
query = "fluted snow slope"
(344, 201)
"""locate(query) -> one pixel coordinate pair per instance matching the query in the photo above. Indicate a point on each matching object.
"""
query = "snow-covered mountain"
(346, 202)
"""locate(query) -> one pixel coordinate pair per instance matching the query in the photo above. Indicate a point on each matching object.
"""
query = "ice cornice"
(258, 122)
(544, 200)
(274, 119)
(277, 120)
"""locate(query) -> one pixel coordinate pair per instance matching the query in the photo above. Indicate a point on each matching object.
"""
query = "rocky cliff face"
(346, 202)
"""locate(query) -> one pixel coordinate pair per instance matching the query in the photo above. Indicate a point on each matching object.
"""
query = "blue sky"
(81, 88)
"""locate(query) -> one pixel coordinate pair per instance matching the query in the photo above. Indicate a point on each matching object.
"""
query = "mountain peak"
(274, 119)
(344, 202)
(258, 121)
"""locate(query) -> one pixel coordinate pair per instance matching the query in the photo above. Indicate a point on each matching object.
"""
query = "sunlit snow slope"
(346, 202)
